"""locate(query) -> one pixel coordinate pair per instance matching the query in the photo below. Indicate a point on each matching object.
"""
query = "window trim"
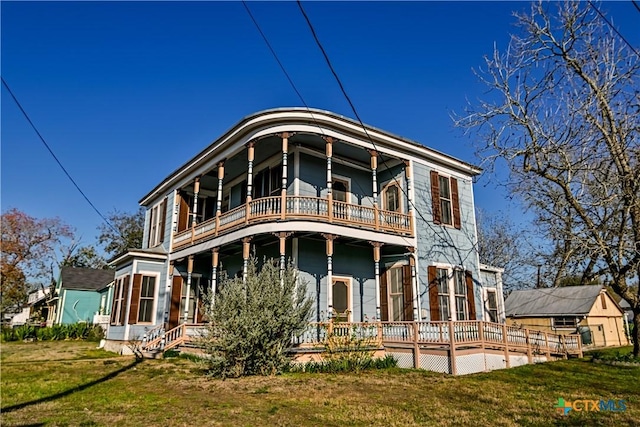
(349, 281)
(470, 310)
(347, 181)
(154, 298)
(454, 200)
(384, 193)
(487, 307)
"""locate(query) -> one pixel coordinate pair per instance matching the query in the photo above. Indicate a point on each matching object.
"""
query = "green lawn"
(72, 383)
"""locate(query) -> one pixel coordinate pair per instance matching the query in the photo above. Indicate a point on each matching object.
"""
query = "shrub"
(334, 366)
(252, 322)
(8, 334)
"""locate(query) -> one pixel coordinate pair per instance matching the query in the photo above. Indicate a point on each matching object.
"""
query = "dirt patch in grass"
(173, 392)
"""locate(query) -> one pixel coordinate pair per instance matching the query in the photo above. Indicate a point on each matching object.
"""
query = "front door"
(342, 299)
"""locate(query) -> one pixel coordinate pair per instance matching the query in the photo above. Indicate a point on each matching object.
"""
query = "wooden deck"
(280, 208)
(448, 347)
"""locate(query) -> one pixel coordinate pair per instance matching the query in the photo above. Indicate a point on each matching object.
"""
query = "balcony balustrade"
(301, 208)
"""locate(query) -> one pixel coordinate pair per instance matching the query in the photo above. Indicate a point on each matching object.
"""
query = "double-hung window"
(147, 296)
(451, 294)
(445, 200)
(157, 219)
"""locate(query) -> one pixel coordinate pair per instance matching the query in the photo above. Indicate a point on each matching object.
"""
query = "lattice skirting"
(470, 363)
(518, 360)
(495, 361)
(404, 358)
(436, 363)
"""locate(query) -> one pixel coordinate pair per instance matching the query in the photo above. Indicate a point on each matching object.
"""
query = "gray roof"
(88, 279)
(567, 301)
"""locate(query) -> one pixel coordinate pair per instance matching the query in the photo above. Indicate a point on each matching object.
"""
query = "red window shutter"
(163, 219)
(152, 218)
(456, 203)
(407, 290)
(125, 298)
(384, 298)
(434, 304)
(176, 296)
(435, 197)
(135, 299)
(114, 302)
(470, 295)
(183, 213)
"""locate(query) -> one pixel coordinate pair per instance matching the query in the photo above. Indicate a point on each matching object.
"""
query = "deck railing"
(297, 207)
(461, 334)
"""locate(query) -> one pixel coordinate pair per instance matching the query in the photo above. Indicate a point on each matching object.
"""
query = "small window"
(565, 322)
(340, 190)
(147, 294)
(492, 305)
(391, 196)
(603, 300)
(461, 295)
(443, 293)
(445, 200)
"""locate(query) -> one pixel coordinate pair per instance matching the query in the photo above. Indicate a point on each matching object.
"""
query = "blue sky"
(126, 92)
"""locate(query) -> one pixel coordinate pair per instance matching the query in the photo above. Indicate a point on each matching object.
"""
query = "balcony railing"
(298, 207)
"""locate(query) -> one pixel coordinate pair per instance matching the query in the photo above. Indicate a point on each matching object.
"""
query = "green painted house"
(82, 295)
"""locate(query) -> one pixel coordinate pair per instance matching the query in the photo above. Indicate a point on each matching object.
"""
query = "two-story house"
(380, 227)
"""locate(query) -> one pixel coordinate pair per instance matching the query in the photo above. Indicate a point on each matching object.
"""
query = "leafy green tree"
(127, 232)
(252, 322)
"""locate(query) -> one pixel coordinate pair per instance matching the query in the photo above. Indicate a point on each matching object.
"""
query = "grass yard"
(73, 384)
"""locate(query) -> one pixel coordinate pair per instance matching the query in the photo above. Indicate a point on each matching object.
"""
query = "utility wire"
(56, 158)
(264, 37)
(355, 112)
(636, 5)
(604, 18)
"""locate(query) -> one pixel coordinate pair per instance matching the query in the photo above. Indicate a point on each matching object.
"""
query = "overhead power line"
(604, 18)
(75, 184)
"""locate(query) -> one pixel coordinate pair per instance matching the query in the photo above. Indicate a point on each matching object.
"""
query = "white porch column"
(330, 238)
(376, 272)
(215, 252)
(186, 302)
(374, 179)
(414, 284)
(219, 198)
(408, 174)
(283, 194)
(194, 210)
(329, 151)
(250, 157)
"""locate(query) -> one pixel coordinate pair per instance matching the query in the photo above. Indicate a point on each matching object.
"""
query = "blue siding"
(79, 306)
(442, 244)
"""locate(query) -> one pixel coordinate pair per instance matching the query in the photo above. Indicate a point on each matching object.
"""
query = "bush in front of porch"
(252, 320)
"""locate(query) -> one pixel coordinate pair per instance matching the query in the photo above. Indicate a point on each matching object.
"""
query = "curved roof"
(256, 122)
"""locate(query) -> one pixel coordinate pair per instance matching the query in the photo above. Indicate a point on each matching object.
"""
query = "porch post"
(414, 283)
(374, 179)
(282, 236)
(246, 251)
(329, 152)
(283, 194)
(215, 252)
(194, 211)
(219, 199)
(407, 174)
(250, 154)
(330, 238)
(186, 301)
(376, 272)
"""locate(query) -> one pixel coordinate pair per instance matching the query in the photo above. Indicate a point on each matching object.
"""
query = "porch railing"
(298, 207)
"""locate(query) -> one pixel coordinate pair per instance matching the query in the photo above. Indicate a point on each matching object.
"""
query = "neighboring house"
(35, 310)
(380, 227)
(81, 294)
(587, 309)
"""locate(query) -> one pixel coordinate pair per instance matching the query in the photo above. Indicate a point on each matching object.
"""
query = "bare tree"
(563, 112)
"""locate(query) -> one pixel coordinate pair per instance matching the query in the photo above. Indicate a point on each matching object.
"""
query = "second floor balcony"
(302, 208)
